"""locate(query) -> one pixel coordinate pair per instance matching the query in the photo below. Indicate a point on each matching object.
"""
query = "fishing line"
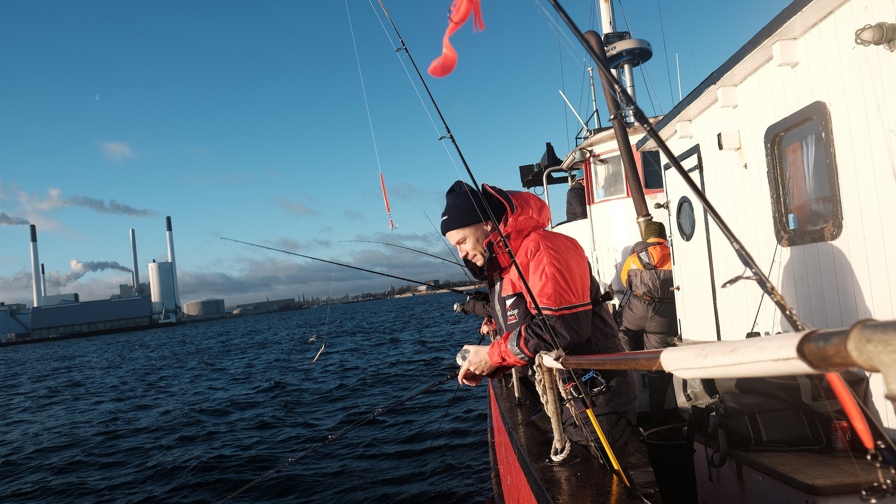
(333, 437)
(413, 84)
(326, 319)
(762, 297)
(442, 420)
(376, 153)
(477, 189)
(406, 248)
(418, 282)
(524, 282)
(283, 330)
(451, 251)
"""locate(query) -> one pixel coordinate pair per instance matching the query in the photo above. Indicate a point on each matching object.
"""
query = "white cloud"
(116, 151)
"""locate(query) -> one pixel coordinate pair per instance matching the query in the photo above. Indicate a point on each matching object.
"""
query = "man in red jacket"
(559, 276)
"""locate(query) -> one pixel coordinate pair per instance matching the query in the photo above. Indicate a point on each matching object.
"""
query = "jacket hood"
(526, 212)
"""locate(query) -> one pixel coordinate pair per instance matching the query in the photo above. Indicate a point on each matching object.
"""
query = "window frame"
(615, 153)
(774, 154)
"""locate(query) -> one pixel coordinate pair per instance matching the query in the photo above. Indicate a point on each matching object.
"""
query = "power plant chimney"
(43, 279)
(134, 254)
(35, 269)
(170, 236)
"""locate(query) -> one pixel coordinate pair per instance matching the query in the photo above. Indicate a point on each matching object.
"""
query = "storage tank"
(162, 286)
(204, 307)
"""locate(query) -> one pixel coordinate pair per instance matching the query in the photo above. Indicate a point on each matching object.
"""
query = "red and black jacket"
(558, 272)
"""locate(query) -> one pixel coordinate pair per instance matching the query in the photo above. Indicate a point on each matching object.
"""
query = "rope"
(545, 383)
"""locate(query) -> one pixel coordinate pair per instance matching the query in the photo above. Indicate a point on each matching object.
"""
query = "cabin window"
(684, 218)
(652, 169)
(608, 177)
(803, 177)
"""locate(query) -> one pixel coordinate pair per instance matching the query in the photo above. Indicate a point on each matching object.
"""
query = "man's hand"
(476, 367)
(488, 327)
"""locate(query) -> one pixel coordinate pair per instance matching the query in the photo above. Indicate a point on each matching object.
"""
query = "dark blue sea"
(194, 412)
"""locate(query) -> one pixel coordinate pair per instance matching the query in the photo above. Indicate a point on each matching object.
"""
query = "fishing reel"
(594, 384)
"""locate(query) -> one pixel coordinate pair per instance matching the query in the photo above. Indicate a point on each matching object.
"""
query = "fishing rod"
(476, 188)
(452, 261)
(626, 100)
(418, 282)
(593, 44)
(447, 246)
(333, 437)
(539, 313)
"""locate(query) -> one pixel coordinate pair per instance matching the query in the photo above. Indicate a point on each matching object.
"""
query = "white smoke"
(79, 269)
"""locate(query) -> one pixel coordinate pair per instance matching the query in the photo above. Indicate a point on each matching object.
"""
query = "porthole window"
(803, 181)
(684, 217)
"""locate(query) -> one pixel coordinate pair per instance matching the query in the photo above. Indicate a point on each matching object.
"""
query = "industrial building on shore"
(136, 306)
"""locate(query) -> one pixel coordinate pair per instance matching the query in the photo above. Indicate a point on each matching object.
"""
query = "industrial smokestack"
(35, 269)
(134, 254)
(171, 259)
(43, 279)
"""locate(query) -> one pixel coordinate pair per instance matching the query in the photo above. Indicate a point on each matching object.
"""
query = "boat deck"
(580, 479)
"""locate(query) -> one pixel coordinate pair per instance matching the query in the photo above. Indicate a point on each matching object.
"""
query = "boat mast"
(624, 54)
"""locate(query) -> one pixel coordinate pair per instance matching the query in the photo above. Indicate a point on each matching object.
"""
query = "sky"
(271, 122)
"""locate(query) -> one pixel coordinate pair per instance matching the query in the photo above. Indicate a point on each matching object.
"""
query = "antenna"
(584, 126)
(678, 71)
(593, 97)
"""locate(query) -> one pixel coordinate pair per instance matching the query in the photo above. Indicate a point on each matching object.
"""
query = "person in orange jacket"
(648, 319)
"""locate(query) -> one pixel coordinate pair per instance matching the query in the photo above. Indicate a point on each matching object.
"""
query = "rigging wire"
(626, 101)
(644, 74)
(666, 52)
(847, 400)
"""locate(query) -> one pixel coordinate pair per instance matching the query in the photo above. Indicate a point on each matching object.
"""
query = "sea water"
(193, 412)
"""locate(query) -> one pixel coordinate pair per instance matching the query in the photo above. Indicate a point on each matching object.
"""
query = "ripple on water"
(193, 412)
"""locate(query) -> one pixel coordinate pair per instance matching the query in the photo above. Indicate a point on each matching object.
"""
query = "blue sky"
(270, 122)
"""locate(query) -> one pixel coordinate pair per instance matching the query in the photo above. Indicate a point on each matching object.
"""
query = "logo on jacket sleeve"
(513, 314)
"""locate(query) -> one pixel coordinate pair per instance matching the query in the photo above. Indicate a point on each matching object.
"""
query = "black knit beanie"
(654, 229)
(464, 207)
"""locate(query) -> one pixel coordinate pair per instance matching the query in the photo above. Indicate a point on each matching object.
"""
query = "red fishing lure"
(459, 13)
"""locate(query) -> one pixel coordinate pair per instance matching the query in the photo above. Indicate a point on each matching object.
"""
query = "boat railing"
(868, 344)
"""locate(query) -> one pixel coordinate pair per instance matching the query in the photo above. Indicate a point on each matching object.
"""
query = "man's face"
(470, 242)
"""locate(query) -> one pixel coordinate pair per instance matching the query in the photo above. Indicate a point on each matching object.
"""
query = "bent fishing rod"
(553, 341)
(418, 282)
(333, 437)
